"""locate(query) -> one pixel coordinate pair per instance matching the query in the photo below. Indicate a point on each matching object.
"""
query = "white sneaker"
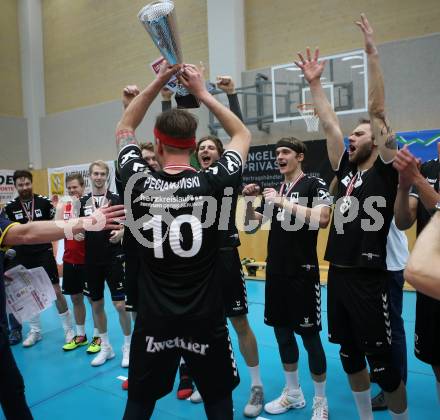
(125, 355)
(32, 338)
(69, 335)
(320, 408)
(196, 397)
(287, 400)
(255, 404)
(105, 354)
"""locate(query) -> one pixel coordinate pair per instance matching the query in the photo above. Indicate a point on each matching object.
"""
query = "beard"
(26, 195)
(363, 154)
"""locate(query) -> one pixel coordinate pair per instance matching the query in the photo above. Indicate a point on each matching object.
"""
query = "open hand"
(367, 30)
(105, 218)
(311, 67)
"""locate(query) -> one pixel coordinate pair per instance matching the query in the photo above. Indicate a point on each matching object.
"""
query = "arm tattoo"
(391, 140)
(124, 137)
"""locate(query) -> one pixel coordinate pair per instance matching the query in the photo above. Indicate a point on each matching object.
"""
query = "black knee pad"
(353, 361)
(287, 345)
(385, 374)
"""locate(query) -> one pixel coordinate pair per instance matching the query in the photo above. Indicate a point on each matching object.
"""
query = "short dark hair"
(21, 173)
(218, 144)
(292, 143)
(77, 176)
(364, 120)
(177, 123)
(147, 146)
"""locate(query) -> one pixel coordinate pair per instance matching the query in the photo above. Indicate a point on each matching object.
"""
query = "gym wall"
(10, 76)
(13, 127)
(276, 30)
(94, 48)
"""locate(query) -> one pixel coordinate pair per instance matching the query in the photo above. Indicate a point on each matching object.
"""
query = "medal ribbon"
(292, 185)
(30, 216)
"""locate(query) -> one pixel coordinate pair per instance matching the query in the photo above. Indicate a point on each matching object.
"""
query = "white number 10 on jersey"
(155, 223)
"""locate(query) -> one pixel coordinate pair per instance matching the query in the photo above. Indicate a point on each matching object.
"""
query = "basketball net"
(308, 113)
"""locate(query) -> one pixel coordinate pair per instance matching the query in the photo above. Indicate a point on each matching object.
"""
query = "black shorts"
(232, 276)
(154, 359)
(97, 275)
(358, 308)
(44, 259)
(74, 277)
(427, 335)
(294, 301)
(131, 286)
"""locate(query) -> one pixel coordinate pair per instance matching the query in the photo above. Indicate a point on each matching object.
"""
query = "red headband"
(180, 143)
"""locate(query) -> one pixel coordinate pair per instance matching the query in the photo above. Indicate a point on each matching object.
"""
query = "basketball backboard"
(345, 82)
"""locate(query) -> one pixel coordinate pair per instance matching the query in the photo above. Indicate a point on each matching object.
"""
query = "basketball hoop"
(308, 112)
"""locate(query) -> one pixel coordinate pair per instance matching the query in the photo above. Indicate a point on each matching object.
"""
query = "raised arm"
(138, 107)
(128, 94)
(313, 69)
(166, 94)
(384, 136)
(423, 269)
(192, 79)
(227, 85)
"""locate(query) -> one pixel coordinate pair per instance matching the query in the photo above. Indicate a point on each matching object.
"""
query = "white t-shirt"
(397, 249)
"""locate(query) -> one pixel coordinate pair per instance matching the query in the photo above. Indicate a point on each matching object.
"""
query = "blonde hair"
(101, 164)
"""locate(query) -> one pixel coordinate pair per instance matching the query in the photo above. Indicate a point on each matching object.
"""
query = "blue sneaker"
(15, 337)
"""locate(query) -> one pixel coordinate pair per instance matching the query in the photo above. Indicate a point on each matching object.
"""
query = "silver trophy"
(159, 20)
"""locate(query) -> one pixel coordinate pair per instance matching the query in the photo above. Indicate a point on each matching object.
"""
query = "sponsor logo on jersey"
(38, 213)
(176, 342)
(130, 155)
(323, 194)
(18, 215)
(370, 255)
(294, 197)
(306, 323)
(233, 163)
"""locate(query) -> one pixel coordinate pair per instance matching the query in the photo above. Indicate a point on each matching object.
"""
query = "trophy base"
(187, 101)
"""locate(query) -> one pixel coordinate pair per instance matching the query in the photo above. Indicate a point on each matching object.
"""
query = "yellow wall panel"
(277, 29)
(93, 48)
(40, 184)
(10, 72)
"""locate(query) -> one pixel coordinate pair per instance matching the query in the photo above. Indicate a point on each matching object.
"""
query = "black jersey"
(176, 226)
(362, 242)
(292, 242)
(229, 237)
(430, 171)
(36, 209)
(99, 249)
